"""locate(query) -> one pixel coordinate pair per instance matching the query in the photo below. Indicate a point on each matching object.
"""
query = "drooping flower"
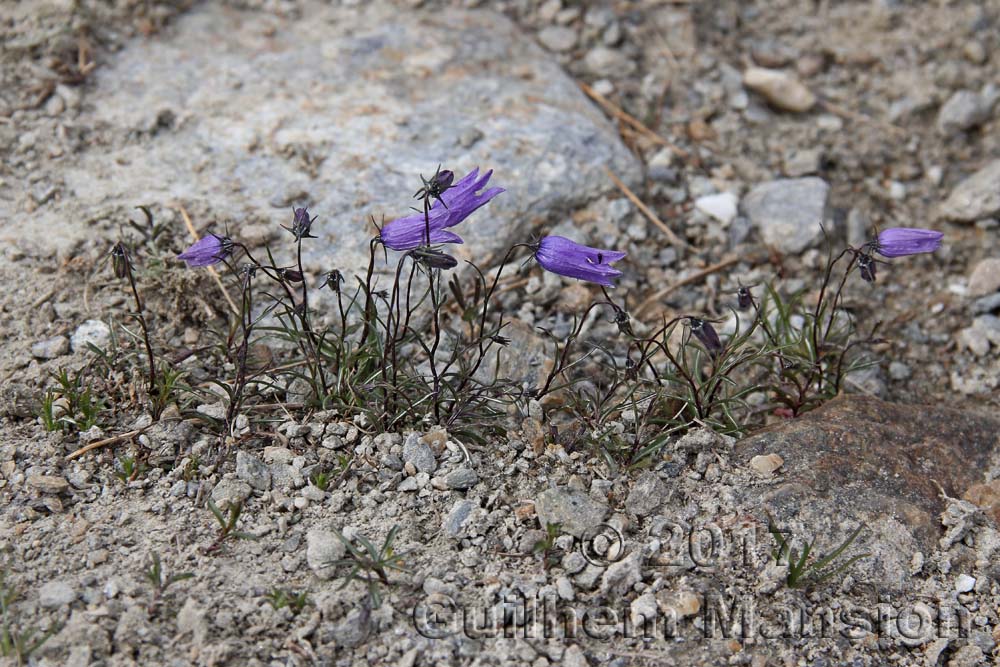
(453, 206)
(901, 241)
(333, 280)
(744, 297)
(573, 260)
(706, 333)
(210, 249)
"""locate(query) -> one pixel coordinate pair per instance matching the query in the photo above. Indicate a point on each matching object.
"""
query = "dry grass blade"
(675, 240)
(632, 121)
(693, 278)
(102, 443)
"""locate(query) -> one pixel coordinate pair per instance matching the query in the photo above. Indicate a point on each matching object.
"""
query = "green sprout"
(279, 598)
(14, 643)
(320, 479)
(227, 526)
(800, 569)
(131, 469)
(156, 576)
(546, 545)
(369, 564)
(80, 409)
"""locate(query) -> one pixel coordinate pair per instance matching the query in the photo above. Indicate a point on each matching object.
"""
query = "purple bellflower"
(568, 258)
(210, 249)
(901, 241)
(454, 205)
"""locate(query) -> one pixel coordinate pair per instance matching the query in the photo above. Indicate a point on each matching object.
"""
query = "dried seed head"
(333, 280)
(624, 322)
(866, 264)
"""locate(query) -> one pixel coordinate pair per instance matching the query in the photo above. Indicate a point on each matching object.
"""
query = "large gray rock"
(323, 550)
(976, 197)
(647, 494)
(574, 511)
(239, 117)
(253, 471)
(788, 212)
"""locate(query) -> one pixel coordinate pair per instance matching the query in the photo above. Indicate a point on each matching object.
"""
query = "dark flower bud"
(705, 333)
(631, 370)
(291, 275)
(436, 186)
(443, 180)
(866, 264)
(120, 261)
(434, 259)
(301, 223)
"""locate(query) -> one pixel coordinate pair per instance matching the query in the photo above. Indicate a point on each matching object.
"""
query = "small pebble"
(50, 348)
(766, 464)
(722, 207)
(965, 583)
(557, 38)
(985, 278)
(781, 90)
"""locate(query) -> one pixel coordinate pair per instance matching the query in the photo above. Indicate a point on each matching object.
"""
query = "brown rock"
(986, 496)
(48, 483)
(858, 459)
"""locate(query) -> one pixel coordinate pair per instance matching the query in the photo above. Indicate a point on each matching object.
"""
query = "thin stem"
(142, 324)
(306, 326)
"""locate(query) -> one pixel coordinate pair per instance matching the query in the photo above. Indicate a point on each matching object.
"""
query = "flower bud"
(434, 259)
(120, 261)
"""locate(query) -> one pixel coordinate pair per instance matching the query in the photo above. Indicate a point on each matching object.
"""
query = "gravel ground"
(751, 130)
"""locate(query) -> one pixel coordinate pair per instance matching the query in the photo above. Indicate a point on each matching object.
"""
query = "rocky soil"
(714, 142)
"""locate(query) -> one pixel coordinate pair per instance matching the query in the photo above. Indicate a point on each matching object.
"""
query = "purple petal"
(901, 241)
(404, 234)
(573, 260)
